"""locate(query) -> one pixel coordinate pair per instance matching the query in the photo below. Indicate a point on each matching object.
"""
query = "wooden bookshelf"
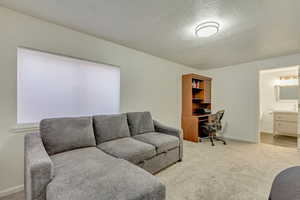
(196, 96)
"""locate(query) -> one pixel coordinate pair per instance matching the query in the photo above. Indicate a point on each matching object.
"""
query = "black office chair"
(212, 128)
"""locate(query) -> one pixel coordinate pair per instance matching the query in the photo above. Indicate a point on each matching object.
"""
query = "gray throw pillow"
(63, 134)
(110, 127)
(140, 122)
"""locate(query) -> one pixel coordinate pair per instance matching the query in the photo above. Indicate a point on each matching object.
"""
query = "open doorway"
(278, 97)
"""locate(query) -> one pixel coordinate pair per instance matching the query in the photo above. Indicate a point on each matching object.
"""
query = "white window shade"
(57, 86)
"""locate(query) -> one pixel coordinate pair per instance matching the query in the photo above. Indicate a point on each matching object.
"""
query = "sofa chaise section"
(91, 174)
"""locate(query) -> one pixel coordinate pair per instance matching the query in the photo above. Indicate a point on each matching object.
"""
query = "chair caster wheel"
(224, 143)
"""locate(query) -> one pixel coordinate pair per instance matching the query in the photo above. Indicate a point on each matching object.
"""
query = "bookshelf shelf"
(197, 99)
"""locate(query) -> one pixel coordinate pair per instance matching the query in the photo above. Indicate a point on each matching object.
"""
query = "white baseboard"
(266, 133)
(239, 139)
(11, 190)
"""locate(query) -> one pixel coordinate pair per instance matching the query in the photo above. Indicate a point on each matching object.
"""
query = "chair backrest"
(219, 115)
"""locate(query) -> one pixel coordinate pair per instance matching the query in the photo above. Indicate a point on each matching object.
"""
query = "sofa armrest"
(38, 167)
(170, 131)
(166, 129)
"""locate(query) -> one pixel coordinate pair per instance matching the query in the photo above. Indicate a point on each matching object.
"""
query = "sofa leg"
(180, 160)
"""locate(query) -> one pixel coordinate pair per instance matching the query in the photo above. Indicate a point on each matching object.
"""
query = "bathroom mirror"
(287, 93)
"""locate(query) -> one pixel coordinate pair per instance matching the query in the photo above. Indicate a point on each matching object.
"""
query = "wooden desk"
(202, 116)
(191, 126)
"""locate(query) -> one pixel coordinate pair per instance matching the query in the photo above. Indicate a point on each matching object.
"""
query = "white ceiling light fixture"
(207, 29)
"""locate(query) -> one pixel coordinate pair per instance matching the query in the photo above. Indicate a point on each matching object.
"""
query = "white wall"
(147, 82)
(268, 99)
(235, 88)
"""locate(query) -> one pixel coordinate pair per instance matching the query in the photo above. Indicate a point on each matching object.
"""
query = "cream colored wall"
(236, 89)
(147, 82)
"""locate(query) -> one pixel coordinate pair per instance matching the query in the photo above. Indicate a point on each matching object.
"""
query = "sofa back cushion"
(63, 134)
(110, 127)
(140, 122)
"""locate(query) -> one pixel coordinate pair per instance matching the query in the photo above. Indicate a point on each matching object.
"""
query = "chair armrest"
(171, 131)
(166, 129)
(38, 167)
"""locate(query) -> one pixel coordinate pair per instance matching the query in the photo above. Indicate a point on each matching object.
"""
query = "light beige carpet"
(237, 171)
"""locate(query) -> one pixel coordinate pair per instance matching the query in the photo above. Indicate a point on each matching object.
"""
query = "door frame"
(259, 106)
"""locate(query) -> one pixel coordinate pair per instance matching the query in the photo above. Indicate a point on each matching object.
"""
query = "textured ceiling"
(250, 29)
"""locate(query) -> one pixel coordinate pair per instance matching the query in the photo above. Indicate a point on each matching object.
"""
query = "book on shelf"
(196, 84)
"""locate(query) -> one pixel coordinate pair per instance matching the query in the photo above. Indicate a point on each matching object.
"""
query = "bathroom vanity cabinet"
(285, 123)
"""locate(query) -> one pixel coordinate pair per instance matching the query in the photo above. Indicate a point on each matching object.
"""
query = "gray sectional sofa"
(105, 157)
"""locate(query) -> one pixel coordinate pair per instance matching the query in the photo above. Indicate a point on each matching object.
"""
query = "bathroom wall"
(268, 102)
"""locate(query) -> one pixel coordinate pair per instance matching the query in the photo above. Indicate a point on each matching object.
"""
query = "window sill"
(25, 128)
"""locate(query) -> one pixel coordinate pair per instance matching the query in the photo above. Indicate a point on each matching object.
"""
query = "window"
(57, 86)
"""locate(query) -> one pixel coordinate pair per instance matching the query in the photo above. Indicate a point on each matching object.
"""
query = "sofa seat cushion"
(64, 134)
(91, 174)
(110, 127)
(129, 149)
(140, 122)
(161, 141)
